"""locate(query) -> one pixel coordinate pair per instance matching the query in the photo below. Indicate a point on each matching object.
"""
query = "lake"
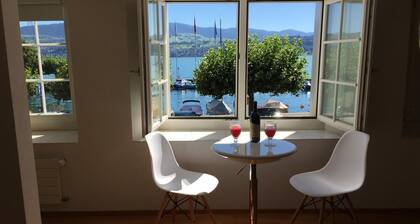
(186, 66)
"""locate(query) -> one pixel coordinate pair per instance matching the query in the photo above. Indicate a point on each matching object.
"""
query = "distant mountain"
(48, 33)
(231, 33)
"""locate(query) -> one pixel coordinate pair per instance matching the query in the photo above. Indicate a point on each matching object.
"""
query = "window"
(210, 59)
(46, 67)
(283, 39)
(203, 45)
(340, 66)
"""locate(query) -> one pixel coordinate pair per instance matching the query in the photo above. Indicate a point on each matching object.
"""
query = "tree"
(276, 65)
(59, 67)
(30, 61)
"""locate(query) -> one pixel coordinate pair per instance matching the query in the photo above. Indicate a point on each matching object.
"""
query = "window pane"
(152, 12)
(54, 62)
(327, 107)
(349, 61)
(163, 106)
(162, 62)
(156, 103)
(345, 103)
(280, 58)
(202, 41)
(30, 61)
(333, 21)
(154, 61)
(27, 32)
(330, 61)
(34, 97)
(51, 32)
(161, 22)
(352, 19)
(58, 98)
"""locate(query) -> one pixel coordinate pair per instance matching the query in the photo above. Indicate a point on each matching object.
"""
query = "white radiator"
(49, 180)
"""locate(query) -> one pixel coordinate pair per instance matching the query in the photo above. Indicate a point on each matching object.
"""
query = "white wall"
(106, 170)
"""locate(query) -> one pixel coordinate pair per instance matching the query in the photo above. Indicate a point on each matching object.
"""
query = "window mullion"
(41, 72)
(242, 65)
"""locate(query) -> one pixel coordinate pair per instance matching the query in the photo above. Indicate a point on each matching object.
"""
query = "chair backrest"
(347, 164)
(164, 164)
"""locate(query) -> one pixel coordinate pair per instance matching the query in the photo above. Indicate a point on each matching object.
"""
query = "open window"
(300, 60)
(342, 45)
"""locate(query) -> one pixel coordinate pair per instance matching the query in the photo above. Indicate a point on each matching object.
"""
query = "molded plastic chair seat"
(315, 184)
(344, 173)
(189, 183)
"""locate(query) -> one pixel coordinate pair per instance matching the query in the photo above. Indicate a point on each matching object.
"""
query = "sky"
(263, 15)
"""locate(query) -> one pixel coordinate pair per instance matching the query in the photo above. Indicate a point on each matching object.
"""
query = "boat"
(273, 108)
(218, 107)
(307, 85)
(190, 108)
(183, 84)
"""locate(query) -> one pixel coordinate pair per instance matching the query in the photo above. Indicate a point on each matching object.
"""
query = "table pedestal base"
(253, 194)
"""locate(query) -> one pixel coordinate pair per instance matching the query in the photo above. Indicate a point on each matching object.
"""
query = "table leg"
(253, 194)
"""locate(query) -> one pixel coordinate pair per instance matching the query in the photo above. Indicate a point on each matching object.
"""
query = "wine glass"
(270, 130)
(235, 130)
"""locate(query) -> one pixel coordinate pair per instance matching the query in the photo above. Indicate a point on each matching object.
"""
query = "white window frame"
(334, 122)
(53, 121)
(296, 121)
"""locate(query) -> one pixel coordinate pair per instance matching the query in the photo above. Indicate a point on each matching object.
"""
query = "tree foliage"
(276, 65)
(50, 65)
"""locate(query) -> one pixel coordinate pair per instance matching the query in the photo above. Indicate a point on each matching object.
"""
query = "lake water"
(186, 66)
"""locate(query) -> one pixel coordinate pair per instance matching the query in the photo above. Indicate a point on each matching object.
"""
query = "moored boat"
(273, 108)
(190, 108)
(218, 107)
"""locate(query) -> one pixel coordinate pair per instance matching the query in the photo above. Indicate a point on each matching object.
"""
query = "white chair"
(180, 185)
(344, 173)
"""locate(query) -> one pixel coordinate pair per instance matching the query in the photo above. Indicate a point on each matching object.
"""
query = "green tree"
(276, 65)
(59, 67)
(30, 61)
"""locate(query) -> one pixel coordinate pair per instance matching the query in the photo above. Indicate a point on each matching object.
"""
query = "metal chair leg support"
(321, 213)
(351, 208)
(165, 202)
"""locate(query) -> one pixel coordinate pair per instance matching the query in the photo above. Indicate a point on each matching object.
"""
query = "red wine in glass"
(270, 132)
(235, 130)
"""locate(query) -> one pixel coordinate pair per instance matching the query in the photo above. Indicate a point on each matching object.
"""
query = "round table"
(253, 154)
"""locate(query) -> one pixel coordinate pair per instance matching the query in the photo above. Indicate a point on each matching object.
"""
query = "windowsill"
(190, 136)
(45, 137)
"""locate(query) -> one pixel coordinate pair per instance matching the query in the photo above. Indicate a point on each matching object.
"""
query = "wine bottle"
(255, 124)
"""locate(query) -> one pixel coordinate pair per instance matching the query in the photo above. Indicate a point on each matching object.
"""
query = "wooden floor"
(224, 217)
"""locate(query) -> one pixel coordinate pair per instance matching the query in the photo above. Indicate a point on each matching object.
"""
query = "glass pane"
(330, 61)
(162, 62)
(345, 103)
(34, 97)
(163, 106)
(333, 21)
(279, 58)
(27, 32)
(327, 99)
(202, 43)
(154, 62)
(161, 22)
(30, 61)
(54, 62)
(51, 32)
(58, 98)
(352, 19)
(156, 103)
(152, 13)
(349, 61)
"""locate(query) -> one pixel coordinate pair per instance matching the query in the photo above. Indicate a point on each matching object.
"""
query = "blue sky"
(266, 16)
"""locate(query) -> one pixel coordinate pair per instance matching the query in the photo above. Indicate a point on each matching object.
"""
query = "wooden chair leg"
(163, 206)
(206, 205)
(351, 208)
(191, 209)
(321, 213)
(332, 209)
(299, 209)
(175, 201)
